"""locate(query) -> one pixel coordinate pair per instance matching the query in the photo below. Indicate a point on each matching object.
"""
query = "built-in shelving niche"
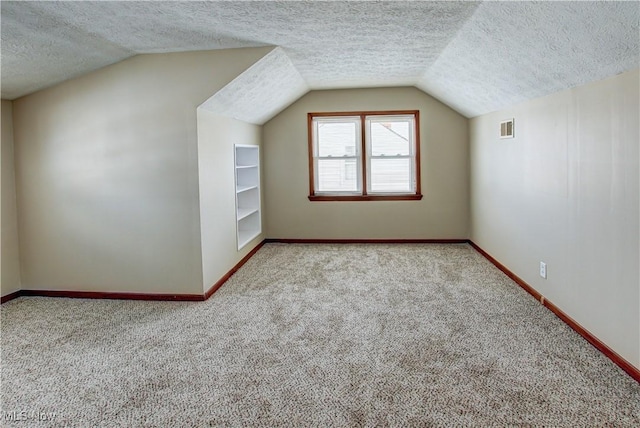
(248, 215)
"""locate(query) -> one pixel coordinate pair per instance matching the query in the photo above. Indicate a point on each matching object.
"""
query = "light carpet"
(314, 335)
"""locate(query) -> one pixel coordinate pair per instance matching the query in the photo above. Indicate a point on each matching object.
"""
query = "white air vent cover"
(506, 128)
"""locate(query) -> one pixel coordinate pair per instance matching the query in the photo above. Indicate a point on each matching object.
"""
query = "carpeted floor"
(314, 335)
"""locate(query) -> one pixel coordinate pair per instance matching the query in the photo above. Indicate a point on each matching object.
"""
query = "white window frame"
(412, 152)
(317, 121)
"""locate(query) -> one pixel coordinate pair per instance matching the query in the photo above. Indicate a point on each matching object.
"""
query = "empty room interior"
(320, 213)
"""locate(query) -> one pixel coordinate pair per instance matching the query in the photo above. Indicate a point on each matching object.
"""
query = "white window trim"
(357, 156)
(412, 152)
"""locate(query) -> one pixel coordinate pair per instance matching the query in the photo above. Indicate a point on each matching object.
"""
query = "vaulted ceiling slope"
(260, 92)
(476, 57)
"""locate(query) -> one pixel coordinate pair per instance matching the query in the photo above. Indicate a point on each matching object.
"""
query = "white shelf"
(240, 189)
(247, 173)
(246, 236)
(246, 212)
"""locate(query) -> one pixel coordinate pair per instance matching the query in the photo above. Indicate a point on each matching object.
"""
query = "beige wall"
(216, 138)
(566, 191)
(107, 174)
(10, 248)
(442, 213)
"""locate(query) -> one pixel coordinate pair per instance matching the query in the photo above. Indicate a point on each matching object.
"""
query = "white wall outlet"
(543, 270)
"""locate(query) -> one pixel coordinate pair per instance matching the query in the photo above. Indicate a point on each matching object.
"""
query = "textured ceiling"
(271, 83)
(476, 57)
(512, 52)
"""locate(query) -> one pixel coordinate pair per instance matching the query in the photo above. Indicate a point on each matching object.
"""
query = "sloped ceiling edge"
(261, 92)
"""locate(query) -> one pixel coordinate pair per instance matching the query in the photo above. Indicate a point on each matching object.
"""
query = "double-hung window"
(364, 156)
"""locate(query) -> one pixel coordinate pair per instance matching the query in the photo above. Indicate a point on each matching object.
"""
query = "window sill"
(326, 198)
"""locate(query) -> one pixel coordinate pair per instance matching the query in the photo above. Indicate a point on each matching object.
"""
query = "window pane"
(337, 138)
(391, 175)
(390, 137)
(337, 175)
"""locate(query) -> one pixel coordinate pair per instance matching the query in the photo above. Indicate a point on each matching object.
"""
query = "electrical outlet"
(543, 270)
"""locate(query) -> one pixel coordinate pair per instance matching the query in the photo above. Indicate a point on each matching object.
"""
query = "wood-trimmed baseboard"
(10, 296)
(629, 368)
(111, 295)
(135, 296)
(215, 287)
(529, 289)
(366, 241)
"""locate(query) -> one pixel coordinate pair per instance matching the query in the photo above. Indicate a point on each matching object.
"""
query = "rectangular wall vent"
(506, 128)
